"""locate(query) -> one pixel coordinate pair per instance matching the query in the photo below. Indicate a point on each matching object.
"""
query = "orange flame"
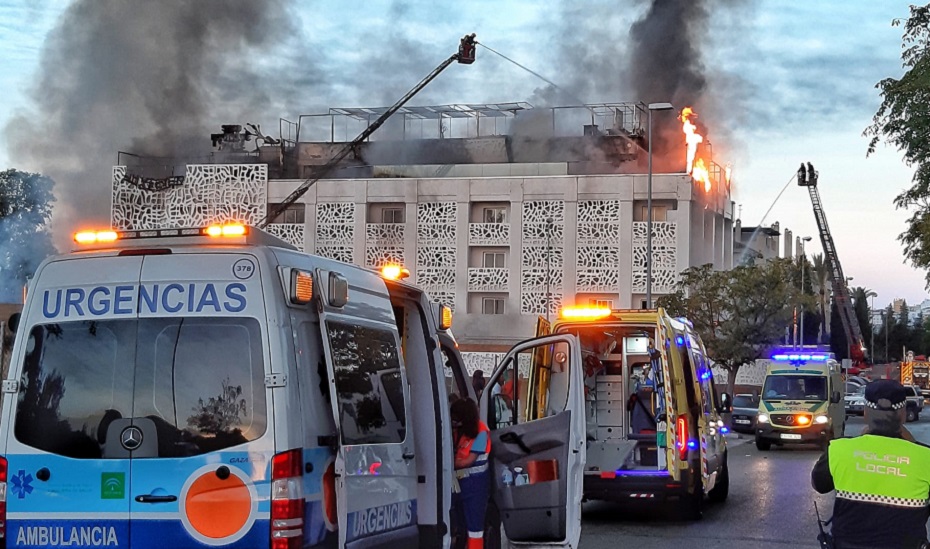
(695, 166)
(692, 137)
(700, 174)
(728, 171)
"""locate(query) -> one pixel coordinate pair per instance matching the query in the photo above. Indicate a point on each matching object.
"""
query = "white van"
(216, 388)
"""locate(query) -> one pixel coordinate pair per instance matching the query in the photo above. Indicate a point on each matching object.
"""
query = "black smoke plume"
(152, 78)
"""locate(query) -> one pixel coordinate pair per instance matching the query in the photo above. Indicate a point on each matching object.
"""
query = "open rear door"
(535, 411)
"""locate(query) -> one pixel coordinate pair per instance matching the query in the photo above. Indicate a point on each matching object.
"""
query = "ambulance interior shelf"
(624, 398)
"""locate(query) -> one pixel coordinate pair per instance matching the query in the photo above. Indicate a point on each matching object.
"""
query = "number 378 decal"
(243, 269)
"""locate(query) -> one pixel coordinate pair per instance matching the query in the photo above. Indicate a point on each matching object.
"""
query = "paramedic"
(472, 445)
(882, 480)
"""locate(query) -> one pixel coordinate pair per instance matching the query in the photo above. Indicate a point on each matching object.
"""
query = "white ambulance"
(214, 387)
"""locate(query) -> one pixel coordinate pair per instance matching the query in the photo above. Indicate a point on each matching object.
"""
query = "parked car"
(855, 401)
(745, 410)
(915, 402)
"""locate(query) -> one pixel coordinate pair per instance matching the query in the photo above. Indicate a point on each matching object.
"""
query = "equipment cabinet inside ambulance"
(216, 388)
(654, 431)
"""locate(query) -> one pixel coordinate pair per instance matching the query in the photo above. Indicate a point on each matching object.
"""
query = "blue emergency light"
(801, 357)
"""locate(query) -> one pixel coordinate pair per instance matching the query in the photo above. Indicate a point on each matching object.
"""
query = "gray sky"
(786, 82)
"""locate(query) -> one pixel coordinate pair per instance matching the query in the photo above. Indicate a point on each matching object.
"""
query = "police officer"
(881, 478)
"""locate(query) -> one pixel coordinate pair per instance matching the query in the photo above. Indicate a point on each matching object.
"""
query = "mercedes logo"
(131, 438)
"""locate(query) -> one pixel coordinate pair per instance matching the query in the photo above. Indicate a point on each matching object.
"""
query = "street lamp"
(651, 107)
(803, 261)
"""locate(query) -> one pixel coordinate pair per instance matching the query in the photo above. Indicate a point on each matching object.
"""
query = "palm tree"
(821, 279)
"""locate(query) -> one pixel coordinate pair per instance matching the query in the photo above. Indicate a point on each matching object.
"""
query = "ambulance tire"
(763, 445)
(721, 489)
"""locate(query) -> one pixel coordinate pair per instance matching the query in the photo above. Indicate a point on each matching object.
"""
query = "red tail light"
(681, 438)
(3, 501)
(287, 500)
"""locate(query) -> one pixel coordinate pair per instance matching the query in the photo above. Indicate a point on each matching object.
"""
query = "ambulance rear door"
(71, 374)
(376, 468)
(535, 410)
(201, 432)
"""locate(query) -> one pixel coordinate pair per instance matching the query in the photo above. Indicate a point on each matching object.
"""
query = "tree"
(860, 297)
(25, 240)
(739, 313)
(902, 121)
(220, 414)
(821, 276)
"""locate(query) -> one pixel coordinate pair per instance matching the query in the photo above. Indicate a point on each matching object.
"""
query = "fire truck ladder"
(807, 177)
(465, 55)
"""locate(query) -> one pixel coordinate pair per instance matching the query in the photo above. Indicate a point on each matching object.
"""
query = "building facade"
(501, 233)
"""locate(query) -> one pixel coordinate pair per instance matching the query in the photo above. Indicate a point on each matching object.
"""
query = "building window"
(604, 303)
(392, 215)
(492, 306)
(493, 260)
(494, 215)
(293, 214)
(659, 213)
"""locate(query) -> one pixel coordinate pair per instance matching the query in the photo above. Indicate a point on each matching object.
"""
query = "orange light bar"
(394, 272)
(92, 237)
(803, 420)
(585, 313)
(301, 287)
(231, 229)
(445, 317)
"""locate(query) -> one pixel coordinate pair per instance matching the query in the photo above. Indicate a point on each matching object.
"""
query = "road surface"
(771, 505)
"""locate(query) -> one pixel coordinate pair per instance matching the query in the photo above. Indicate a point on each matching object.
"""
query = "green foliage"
(25, 209)
(903, 120)
(739, 313)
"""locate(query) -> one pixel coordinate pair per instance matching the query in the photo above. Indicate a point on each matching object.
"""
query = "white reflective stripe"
(475, 535)
(884, 500)
(463, 473)
(287, 523)
(287, 533)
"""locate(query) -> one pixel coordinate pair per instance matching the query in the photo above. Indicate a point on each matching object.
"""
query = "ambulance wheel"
(911, 415)
(763, 445)
(721, 489)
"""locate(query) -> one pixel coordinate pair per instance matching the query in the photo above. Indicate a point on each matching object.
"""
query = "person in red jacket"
(472, 445)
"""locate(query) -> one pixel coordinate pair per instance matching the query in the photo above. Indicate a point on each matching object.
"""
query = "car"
(855, 402)
(745, 411)
(915, 402)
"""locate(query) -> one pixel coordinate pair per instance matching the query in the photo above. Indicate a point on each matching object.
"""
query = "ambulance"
(214, 387)
(802, 400)
(654, 432)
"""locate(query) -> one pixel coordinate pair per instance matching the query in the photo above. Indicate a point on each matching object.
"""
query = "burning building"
(505, 212)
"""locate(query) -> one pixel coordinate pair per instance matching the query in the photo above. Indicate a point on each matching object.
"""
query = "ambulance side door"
(376, 468)
(535, 410)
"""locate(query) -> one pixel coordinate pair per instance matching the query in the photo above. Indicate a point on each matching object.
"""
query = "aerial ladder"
(465, 56)
(807, 177)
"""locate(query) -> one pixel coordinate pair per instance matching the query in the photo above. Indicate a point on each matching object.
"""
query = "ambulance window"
(75, 381)
(201, 380)
(369, 384)
(532, 387)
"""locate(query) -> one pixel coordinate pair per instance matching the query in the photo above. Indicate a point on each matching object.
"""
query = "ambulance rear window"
(200, 380)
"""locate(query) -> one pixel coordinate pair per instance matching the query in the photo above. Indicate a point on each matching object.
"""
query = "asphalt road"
(771, 505)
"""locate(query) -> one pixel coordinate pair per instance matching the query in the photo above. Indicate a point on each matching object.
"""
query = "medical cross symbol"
(22, 484)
